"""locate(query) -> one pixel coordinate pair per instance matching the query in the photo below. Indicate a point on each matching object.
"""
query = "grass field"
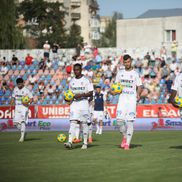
(155, 156)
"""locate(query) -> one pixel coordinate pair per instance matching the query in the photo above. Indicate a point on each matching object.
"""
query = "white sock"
(123, 128)
(129, 132)
(90, 131)
(97, 128)
(77, 131)
(100, 128)
(72, 131)
(23, 129)
(85, 133)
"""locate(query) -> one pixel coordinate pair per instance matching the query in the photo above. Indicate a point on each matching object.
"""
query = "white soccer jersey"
(19, 93)
(79, 109)
(177, 85)
(81, 85)
(21, 111)
(126, 109)
(129, 80)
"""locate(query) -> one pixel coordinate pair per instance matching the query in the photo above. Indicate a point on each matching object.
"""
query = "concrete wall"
(148, 32)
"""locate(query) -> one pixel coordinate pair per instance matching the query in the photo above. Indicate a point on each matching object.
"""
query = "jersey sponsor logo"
(127, 81)
(77, 88)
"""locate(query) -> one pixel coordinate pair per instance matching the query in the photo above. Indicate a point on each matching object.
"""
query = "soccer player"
(21, 109)
(82, 88)
(98, 115)
(176, 90)
(126, 108)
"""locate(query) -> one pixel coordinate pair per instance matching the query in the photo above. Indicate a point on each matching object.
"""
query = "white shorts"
(79, 111)
(126, 109)
(21, 114)
(98, 115)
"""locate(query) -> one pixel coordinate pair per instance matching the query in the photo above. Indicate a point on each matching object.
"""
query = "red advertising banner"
(6, 114)
(53, 111)
(62, 111)
(157, 111)
(143, 111)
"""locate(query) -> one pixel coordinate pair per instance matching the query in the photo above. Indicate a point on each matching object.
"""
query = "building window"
(170, 35)
(95, 35)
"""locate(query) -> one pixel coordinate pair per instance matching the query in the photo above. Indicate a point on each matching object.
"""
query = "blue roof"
(157, 13)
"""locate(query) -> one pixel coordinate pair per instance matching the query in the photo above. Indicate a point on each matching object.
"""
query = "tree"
(44, 21)
(74, 37)
(10, 35)
(108, 38)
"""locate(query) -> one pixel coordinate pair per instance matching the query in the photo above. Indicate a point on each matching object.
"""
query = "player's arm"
(171, 98)
(139, 91)
(12, 103)
(83, 95)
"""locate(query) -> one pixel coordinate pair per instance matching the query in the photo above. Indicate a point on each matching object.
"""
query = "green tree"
(44, 21)
(74, 37)
(108, 38)
(10, 35)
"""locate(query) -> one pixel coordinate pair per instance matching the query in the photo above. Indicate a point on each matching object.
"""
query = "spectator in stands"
(163, 53)
(14, 60)
(174, 46)
(48, 64)
(46, 48)
(42, 64)
(55, 48)
(3, 69)
(32, 79)
(50, 90)
(57, 91)
(28, 59)
(41, 88)
(68, 69)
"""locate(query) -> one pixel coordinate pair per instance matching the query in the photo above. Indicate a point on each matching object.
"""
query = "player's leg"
(121, 115)
(71, 135)
(22, 130)
(100, 127)
(84, 119)
(90, 132)
(123, 130)
(21, 117)
(129, 133)
(85, 135)
(131, 115)
(76, 138)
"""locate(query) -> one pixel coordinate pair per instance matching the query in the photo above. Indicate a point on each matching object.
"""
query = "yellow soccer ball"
(25, 100)
(178, 101)
(61, 137)
(116, 88)
(68, 95)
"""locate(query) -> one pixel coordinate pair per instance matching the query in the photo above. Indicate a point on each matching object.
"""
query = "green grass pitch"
(155, 156)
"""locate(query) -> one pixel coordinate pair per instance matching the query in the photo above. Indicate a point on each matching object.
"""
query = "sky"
(134, 8)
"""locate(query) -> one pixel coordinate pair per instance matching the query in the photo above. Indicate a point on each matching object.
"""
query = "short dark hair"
(78, 65)
(126, 56)
(19, 80)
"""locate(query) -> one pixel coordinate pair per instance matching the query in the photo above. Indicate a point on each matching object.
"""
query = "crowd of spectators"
(48, 77)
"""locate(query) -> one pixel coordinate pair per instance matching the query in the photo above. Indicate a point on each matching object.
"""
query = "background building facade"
(150, 30)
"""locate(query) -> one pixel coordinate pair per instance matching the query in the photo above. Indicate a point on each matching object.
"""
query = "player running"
(126, 108)
(21, 109)
(82, 88)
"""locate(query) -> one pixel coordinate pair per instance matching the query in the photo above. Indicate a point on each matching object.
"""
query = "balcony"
(75, 3)
(75, 16)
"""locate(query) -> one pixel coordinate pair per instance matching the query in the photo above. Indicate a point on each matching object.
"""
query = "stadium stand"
(157, 73)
